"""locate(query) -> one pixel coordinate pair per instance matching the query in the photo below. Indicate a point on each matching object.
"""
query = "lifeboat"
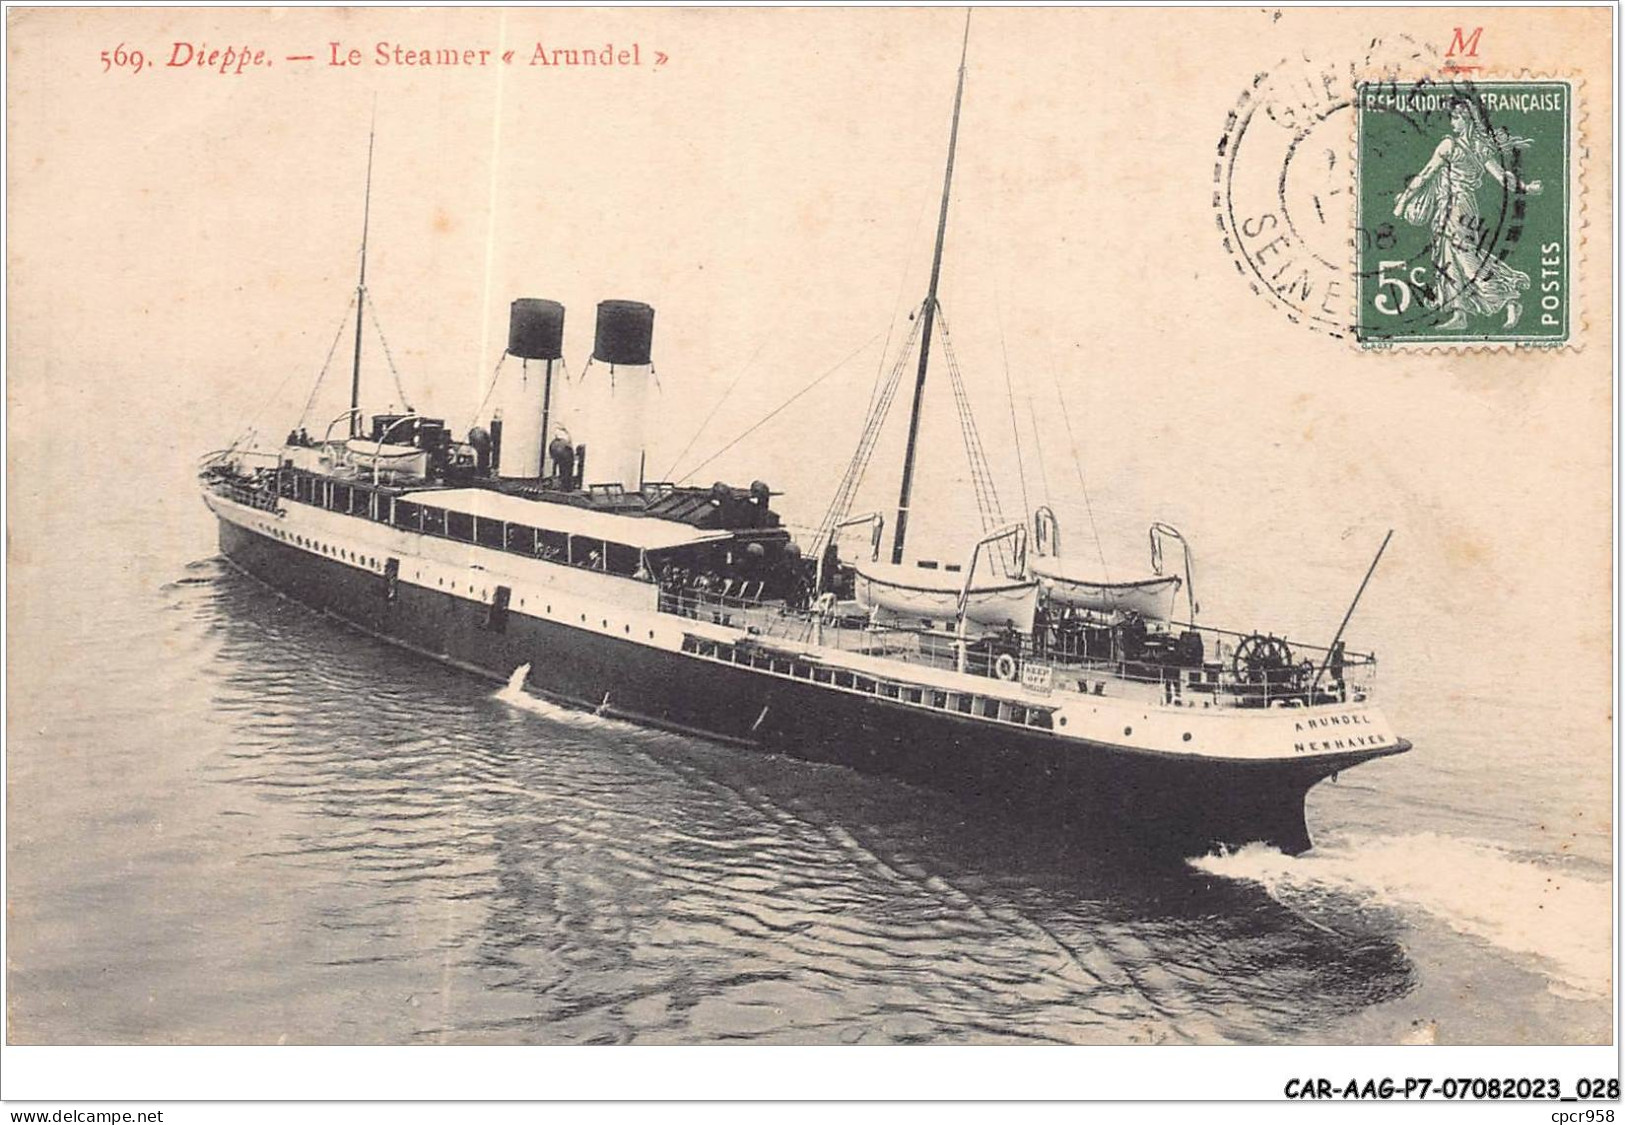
(934, 595)
(1073, 583)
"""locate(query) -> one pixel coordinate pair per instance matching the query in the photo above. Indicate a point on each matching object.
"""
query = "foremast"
(361, 289)
(930, 315)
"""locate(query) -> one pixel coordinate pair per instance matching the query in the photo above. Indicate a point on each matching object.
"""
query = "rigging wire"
(496, 376)
(1015, 432)
(372, 308)
(1077, 462)
(326, 363)
(981, 475)
(880, 406)
(1038, 442)
(881, 396)
(743, 371)
(782, 406)
(897, 302)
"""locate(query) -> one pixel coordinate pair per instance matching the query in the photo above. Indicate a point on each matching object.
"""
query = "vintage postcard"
(812, 526)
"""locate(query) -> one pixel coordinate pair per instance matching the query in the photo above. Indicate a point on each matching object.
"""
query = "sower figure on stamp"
(1443, 196)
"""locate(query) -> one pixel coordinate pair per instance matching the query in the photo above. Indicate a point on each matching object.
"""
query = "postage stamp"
(1464, 231)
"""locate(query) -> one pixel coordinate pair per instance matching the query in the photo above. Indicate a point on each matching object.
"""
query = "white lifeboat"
(1075, 583)
(934, 595)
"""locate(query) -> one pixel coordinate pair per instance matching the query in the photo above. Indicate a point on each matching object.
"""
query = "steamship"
(1014, 675)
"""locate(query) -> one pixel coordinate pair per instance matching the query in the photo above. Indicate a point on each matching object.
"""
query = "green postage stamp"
(1464, 231)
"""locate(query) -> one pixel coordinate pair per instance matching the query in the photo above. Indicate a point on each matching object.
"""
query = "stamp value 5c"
(1464, 230)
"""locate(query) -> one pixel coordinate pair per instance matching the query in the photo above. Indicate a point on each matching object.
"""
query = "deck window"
(341, 498)
(434, 520)
(460, 526)
(622, 560)
(586, 552)
(988, 708)
(489, 533)
(521, 539)
(962, 703)
(552, 545)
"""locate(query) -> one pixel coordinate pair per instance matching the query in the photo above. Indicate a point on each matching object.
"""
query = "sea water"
(235, 821)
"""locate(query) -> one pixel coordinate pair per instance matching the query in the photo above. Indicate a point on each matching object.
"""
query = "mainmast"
(361, 289)
(930, 314)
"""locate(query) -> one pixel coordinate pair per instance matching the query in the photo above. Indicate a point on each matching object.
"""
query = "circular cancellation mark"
(1284, 189)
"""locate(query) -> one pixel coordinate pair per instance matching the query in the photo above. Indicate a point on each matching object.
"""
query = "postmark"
(1465, 212)
(1283, 181)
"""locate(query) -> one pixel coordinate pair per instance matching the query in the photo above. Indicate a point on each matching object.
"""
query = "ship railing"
(254, 496)
(720, 602)
(1230, 673)
(234, 454)
(1216, 682)
(1213, 682)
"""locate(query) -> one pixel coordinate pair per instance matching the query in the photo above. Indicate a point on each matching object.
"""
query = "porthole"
(651, 634)
(604, 624)
(1186, 736)
(1063, 720)
(628, 629)
(1128, 730)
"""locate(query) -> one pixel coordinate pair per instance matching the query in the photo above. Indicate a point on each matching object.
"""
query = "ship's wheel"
(1261, 659)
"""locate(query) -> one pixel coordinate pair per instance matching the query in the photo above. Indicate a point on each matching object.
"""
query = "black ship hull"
(1147, 800)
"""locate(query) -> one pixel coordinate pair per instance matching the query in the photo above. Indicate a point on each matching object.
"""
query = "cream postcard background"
(183, 243)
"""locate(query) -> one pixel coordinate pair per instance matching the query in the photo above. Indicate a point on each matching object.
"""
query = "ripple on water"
(388, 851)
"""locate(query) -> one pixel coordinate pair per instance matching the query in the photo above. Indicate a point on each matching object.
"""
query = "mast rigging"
(929, 314)
(361, 286)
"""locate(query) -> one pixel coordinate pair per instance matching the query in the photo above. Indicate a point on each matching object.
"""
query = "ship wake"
(1537, 911)
(514, 695)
